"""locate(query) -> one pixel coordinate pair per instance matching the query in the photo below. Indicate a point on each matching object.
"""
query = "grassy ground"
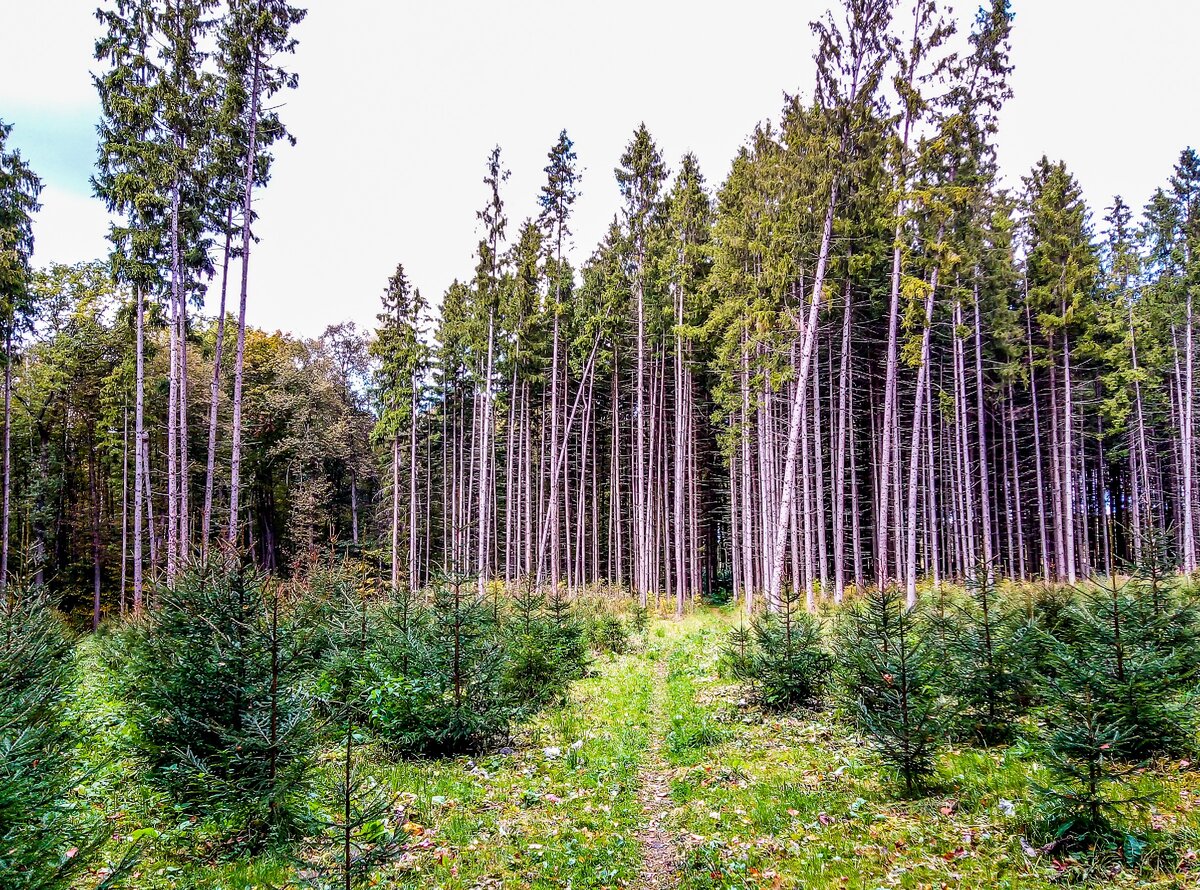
(658, 773)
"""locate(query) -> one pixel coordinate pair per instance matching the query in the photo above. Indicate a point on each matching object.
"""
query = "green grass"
(757, 800)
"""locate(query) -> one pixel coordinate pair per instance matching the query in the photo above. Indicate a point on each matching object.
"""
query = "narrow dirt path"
(660, 856)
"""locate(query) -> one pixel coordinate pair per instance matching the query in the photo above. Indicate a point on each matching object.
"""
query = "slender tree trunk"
(839, 466)
(124, 503)
(1187, 529)
(412, 492)
(173, 397)
(240, 354)
(215, 395)
(793, 436)
(139, 433)
(4, 521)
(985, 480)
(395, 513)
(914, 462)
(1068, 487)
(1037, 449)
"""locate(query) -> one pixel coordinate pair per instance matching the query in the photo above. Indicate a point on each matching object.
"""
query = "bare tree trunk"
(1037, 449)
(395, 513)
(819, 460)
(124, 502)
(839, 465)
(412, 491)
(485, 458)
(173, 397)
(793, 436)
(139, 433)
(1187, 406)
(4, 522)
(1068, 487)
(214, 396)
(981, 419)
(679, 456)
(94, 489)
(914, 463)
(235, 465)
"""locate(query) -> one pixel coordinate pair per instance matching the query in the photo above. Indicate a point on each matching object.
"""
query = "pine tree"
(1084, 753)
(1133, 661)
(215, 683)
(988, 645)
(450, 698)
(556, 200)
(399, 379)
(254, 34)
(46, 843)
(19, 191)
(782, 656)
(891, 672)
(359, 833)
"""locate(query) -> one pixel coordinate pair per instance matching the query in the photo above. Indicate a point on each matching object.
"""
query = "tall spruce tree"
(19, 191)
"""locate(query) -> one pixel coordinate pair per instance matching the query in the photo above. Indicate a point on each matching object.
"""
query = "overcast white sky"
(400, 102)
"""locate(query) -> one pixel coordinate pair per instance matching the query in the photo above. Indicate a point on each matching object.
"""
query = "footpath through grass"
(658, 773)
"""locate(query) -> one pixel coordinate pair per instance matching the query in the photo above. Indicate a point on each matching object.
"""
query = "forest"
(834, 523)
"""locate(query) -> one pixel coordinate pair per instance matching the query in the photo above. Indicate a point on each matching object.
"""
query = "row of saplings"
(250, 704)
(1097, 681)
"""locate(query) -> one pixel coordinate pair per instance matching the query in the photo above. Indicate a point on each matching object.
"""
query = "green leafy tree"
(988, 644)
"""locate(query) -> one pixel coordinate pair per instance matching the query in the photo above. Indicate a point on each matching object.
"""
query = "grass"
(756, 799)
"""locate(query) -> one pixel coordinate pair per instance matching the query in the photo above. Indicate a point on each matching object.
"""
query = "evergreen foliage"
(358, 831)
(46, 838)
(215, 681)
(892, 675)
(1133, 661)
(989, 661)
(451, 697)
(781, 655)
(1084, 754)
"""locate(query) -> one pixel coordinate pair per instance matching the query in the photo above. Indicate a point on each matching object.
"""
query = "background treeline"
(861, 359)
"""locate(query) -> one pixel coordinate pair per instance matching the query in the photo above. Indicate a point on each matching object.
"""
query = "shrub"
(608, 633)
(358, 834)
(544, 651)
(448, 696)
(1088, 790)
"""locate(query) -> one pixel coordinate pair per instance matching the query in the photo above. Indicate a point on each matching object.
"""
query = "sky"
(400, 103)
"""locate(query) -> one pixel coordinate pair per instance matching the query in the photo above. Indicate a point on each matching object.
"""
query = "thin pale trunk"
(4, 521)
(806, 351)
(914, 460)
(839, 466)
(1037, 451)
(395, 513)
(139, 434)
(235, 464)
(214, 396)
(981, 420)
(1068, 449)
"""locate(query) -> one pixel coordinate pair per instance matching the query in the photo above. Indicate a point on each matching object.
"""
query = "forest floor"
(658, 773)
